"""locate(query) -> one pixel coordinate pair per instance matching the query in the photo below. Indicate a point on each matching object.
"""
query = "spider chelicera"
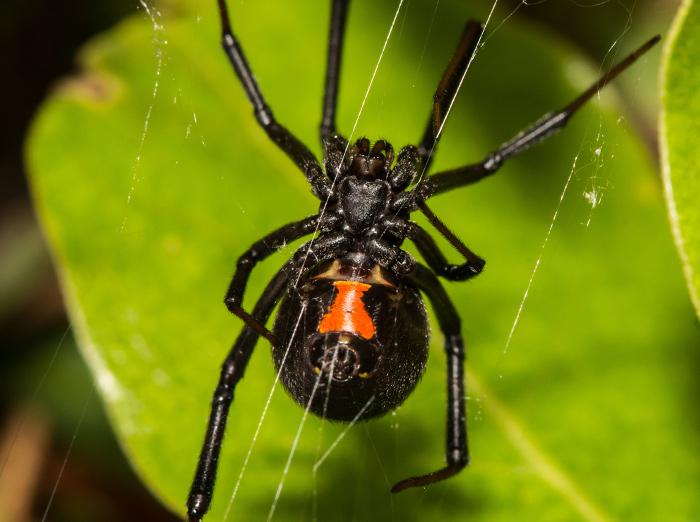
(350, 339)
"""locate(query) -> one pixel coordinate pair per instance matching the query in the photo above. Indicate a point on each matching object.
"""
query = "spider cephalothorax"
(350, 339)
(366, 194)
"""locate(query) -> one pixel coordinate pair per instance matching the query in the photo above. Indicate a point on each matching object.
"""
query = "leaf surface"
(151, 177)
(680, 128)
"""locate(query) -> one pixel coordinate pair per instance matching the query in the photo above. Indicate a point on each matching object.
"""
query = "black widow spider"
(353, 318)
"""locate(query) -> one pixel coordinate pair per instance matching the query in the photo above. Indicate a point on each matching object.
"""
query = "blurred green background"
(50, 409)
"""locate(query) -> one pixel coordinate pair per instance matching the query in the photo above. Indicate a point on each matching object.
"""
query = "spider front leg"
(231, 373)
(339, 11)
(283, 138)
(456, 450)
(448, 87)
(539, 131)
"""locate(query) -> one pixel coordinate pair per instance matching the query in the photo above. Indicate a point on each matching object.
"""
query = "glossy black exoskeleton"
(369, 364)
(351, 336)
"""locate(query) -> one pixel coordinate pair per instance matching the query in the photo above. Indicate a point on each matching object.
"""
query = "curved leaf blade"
(145, 231)
(679, 129)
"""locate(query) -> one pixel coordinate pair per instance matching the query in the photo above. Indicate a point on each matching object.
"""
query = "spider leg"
(256, 253)
(474, 261)
(436, 260)
(325, 247)
(285, 140)
(339, 12)
(456, 450)
(408, 165)
(448, 87)
(232, 371)
(389, 256)
(542, 129)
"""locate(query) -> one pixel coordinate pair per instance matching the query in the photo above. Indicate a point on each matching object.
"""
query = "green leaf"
(151, 179)
(679, 128)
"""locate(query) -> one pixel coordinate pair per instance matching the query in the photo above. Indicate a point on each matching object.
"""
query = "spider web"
(592, 196)
(588, 164)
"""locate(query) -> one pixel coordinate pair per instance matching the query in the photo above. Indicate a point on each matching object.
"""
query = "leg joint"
(265, 117)
(465, 271)
(457, 458)
(493, 162)
(231, 303)
(197, 505)
(247, 259)
(223, 394)
(454, 345)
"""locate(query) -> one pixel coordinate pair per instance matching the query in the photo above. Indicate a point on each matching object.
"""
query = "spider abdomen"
(352, 343)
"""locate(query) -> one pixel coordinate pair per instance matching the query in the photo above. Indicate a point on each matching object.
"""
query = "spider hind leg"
(456, 449)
